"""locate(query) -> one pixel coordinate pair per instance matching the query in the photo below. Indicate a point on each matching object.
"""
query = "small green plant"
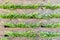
(9, 15)
(21, 34)
(35, 6)
(32, 25)
(50, 6)
(26, 16)
(22, 25)
(14, 6)
(49, 34)
(3, 38)
(52, 15)
(52, 25)
(55, 15)
(16, 15)
(32, 34)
